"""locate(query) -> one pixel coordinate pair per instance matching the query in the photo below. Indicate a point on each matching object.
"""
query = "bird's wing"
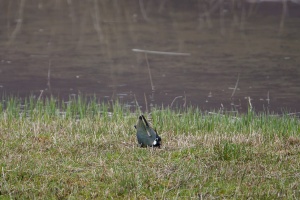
(144, 140)
(151, 132)
(140, 126)
(147, 127)
(146, 135)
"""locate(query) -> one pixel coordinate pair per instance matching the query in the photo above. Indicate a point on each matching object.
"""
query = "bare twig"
(19, 23)
(146, 103)
(283, 16)
(49, 75)
(41, 94)
(149, 71)
(161, 52)
(175, 100)
(96, 21)
(143, 11)
(184, 104)
(250, 104)
(236, 86)
(137, 104)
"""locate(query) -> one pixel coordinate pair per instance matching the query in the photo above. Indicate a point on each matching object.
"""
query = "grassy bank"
(81, 150)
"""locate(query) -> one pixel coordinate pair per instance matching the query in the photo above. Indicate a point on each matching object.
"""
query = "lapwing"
(146, 135)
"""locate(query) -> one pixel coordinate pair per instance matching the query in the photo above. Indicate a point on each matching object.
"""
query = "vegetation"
(81, 149)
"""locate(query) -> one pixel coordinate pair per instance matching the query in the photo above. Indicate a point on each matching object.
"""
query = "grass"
(81, 149)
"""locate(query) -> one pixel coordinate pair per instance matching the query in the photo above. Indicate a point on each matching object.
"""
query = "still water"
(235, 53)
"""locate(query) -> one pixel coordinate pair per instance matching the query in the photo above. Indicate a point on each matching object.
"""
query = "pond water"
(238, 53)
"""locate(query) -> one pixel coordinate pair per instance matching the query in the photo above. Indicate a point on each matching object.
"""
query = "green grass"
(82, 149)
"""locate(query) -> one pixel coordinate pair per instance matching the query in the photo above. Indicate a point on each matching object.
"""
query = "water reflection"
(241, 53)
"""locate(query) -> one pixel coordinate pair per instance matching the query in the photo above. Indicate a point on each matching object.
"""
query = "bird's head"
(157, 141)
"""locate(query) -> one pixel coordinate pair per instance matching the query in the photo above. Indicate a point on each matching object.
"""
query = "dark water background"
(63, 48)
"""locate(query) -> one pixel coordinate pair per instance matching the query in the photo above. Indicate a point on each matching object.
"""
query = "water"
(240, 55)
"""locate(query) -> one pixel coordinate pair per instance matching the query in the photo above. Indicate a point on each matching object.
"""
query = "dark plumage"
(146, 136)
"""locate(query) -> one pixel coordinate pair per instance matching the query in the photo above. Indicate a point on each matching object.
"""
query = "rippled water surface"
(240, 54)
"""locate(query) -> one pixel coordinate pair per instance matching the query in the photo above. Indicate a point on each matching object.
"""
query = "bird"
(146, 135)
